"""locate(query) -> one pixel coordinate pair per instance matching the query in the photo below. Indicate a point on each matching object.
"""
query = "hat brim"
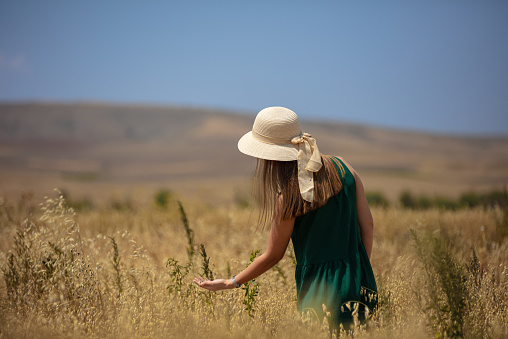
(258, 149)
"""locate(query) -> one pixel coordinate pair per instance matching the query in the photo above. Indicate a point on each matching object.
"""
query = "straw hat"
(276, 135)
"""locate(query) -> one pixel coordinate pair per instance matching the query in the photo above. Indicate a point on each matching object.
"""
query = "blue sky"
(439, 66)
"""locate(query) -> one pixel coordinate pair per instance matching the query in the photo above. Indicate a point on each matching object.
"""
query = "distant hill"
(99, 149)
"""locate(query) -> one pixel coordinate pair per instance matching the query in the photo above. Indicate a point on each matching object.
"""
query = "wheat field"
(127, 272)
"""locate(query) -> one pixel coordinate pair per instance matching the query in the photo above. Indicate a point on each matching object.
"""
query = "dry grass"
(109, 273)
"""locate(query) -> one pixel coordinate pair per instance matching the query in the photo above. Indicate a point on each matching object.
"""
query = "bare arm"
(365, 220)
(280, 233)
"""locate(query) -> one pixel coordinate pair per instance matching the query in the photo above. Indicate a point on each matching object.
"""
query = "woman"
(319, 202)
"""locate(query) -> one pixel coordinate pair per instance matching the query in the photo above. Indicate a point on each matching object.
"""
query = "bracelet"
(235, 283)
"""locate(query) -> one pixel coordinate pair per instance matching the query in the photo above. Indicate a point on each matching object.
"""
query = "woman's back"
(332, 265)
(321, 235)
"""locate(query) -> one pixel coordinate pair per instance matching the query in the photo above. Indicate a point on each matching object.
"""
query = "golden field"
(127, 272)
(121, 265)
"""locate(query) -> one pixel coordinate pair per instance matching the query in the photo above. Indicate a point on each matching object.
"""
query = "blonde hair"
(280, 178)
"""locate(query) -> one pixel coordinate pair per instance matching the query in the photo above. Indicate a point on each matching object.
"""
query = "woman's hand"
(214, 285)
(280, 234)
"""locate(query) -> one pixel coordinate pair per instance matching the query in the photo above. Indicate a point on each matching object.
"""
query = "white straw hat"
(276, 135)
(271, 135)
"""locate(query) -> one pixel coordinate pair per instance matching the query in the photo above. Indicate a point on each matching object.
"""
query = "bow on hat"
(309, 161)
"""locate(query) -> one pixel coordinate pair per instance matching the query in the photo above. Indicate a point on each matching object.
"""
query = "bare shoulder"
(351, 169)
(358, 180)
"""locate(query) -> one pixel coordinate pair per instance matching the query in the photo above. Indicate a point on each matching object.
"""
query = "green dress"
(332, 265)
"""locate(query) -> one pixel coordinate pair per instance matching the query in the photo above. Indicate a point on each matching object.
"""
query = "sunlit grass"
(106, 272)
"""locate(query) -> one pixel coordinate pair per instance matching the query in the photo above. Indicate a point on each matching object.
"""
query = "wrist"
(230, 284)
(235, 283)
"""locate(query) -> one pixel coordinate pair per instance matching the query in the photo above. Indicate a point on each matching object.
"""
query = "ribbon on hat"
(309, 161)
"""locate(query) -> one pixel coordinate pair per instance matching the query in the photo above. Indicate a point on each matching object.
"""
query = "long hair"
(275, 178)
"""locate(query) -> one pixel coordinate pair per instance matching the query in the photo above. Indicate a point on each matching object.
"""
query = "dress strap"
(340, 167)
